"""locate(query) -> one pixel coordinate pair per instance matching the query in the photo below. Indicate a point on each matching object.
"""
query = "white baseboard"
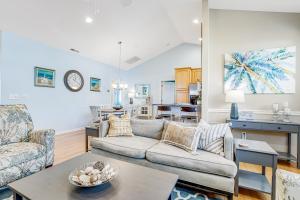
(69, 131)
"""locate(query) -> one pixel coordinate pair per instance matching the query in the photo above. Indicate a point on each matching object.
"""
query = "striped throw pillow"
(212, 137)
(119, 126)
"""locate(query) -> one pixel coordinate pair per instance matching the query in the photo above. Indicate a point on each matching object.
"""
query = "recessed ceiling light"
(89, 20)
(200, 39)
(196, 21)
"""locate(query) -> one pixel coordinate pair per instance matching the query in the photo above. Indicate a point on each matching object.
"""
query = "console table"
(274, 126)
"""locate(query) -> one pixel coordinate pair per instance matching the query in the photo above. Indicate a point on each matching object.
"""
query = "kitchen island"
(176, 108)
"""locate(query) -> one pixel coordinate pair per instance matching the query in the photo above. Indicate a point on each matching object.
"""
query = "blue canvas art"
(261, 71)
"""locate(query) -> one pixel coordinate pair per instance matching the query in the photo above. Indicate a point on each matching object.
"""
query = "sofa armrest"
(103, 128)
(228, 145)
(45, 138)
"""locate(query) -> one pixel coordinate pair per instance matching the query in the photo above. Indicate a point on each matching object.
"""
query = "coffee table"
(133, 182)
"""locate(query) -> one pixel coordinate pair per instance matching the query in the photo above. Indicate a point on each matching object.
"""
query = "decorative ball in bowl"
(93, 174)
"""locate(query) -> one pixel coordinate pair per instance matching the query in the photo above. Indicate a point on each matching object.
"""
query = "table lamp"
(234, 97)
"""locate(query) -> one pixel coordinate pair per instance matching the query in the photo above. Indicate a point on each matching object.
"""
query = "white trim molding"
(257, 112)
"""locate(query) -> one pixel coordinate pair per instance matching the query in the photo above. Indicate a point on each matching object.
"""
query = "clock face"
(73, 80)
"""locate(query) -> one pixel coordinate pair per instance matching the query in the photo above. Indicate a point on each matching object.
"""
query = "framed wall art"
(95, 84)
(44, 77)
(265, 71)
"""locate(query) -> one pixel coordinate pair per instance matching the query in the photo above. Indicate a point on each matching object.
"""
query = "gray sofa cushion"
(202, 161)
(147, 128)
(134, 147)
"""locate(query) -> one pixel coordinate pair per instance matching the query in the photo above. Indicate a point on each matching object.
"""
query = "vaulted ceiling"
(146, 27)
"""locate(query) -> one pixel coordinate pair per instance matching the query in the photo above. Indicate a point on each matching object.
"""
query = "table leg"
(298, 150)
(289, 142)
(263, 170)
(16, 196)
(274, 169)
(86, 143)
(236, 181)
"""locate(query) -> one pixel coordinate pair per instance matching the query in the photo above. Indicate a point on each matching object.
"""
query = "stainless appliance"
(194, 91)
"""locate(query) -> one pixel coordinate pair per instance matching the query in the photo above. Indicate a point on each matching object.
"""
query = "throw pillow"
(119, 126)
(182, 137)
(212, 137)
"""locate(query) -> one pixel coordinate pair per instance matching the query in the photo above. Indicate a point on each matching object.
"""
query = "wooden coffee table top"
(133, 182)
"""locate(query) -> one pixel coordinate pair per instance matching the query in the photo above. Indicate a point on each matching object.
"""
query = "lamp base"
(234, 113)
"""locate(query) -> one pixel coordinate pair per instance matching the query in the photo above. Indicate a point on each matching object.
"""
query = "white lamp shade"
(235, 96)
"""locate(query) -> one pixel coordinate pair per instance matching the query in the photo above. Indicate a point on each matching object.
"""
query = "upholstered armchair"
(287, 185)
(23, 151)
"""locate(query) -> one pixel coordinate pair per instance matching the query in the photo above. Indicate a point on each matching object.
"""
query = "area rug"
(181, 193)
(178, 193)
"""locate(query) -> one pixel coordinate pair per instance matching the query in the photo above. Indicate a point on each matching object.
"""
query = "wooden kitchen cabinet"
(182, 78)
(182, 96)
(196, 75)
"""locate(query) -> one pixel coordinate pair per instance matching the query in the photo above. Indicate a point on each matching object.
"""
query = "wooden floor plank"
(72, 144)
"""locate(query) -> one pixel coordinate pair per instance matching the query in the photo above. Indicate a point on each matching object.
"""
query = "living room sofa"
(203, 168)
(23, 151)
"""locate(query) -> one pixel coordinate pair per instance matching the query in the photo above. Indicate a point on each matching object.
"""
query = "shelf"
(254, 181)
(286, 156)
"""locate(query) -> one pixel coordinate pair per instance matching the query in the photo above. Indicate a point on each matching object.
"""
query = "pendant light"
(118, 84)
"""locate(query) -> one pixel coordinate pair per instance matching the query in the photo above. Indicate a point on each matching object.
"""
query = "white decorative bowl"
(90, 176)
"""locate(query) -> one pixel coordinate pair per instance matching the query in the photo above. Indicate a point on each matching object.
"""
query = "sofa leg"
(230, 197)
(49, 166)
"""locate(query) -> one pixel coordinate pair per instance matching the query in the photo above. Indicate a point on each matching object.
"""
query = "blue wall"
(161, 68)
(57, 107)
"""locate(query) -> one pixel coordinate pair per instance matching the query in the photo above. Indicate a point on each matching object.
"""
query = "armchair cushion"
(17, 153)
(287, 185)
(15, 124)
(45, 138)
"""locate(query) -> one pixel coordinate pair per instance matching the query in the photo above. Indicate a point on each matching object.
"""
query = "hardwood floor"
(72, 144)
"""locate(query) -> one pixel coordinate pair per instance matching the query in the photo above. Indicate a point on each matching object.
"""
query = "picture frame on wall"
(44, 77)
(95, 84)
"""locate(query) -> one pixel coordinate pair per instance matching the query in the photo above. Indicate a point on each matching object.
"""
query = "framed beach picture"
(95, 84)
(44, 77)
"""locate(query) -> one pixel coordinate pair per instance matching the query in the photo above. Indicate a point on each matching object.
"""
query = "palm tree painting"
(261, 71)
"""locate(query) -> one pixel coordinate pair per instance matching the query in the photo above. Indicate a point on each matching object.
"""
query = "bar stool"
(165, 112)
(187, 112)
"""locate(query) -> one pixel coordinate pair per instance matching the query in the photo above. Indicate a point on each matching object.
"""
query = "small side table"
(259, 153)
(90, 131)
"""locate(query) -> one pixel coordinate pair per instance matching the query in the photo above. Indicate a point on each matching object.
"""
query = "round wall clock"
(73, 80)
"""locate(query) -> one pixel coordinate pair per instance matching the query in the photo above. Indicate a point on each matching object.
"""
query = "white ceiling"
(292, 6)
(146, 27)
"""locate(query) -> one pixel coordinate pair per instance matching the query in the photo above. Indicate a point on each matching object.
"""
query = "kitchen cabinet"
(183, 78)
(196, 75)
(182, 96)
